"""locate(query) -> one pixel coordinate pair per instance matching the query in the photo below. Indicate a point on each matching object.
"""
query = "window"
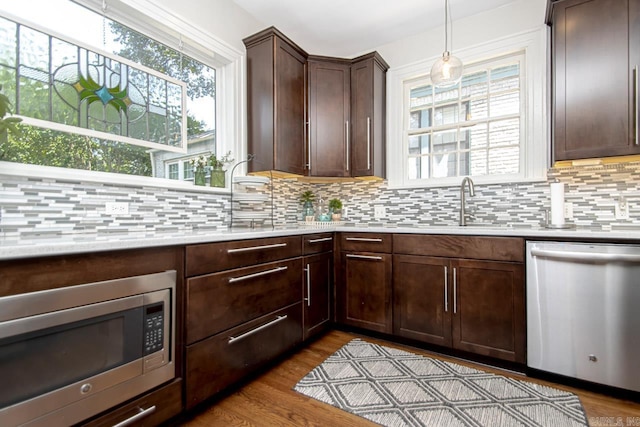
(173, 171)
(470, 129)
(491, 126)
(95, 94)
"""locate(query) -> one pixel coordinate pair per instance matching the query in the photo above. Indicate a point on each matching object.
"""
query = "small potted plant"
(335, 207)
(307, 199)
(199, 170)
(219, 169)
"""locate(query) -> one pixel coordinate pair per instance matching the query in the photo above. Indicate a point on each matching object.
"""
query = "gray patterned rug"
(396, 388)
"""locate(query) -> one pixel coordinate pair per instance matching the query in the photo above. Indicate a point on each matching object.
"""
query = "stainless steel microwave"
(70, 353)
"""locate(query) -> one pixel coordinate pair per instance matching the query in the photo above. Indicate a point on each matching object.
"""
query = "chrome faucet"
(466, 180)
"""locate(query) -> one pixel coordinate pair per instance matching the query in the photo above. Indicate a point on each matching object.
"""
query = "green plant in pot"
(335, 207)
(199, 170)
(7, 124)
(307, 199)
(219, 169)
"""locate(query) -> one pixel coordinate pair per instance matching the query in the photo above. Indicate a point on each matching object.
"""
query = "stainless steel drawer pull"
(364, 239)
(368, 143)
(586, 256)
(324, 239)
(256, 248)
(636, 104)
(258, 329)
(377, 258)
(455, 291)
(308, 298)
(143, 413)
(446, 291)
(261, 273)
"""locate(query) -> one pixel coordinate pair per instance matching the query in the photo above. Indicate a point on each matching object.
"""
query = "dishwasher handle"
(585, 256)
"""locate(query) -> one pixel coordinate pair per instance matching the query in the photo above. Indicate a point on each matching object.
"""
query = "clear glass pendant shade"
(446, 71)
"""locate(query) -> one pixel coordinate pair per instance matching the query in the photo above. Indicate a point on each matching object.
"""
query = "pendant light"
(447, 71)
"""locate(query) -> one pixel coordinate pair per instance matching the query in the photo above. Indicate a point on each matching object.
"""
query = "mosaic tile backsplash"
(34, 207)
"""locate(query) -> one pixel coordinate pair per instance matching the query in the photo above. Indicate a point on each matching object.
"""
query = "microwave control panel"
(153, 328)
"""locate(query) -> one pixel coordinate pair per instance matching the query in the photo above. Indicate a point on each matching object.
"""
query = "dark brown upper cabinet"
(595, 60)
(329, 117)
(276, 79)
(368, 115)
(347, 106)
(340, 133)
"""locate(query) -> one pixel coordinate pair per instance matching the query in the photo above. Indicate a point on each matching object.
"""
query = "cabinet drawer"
(220, 301)
(166, 401)
(366, 242)
(474, 247)
(212, 257)
(219, 361)
(317, 243)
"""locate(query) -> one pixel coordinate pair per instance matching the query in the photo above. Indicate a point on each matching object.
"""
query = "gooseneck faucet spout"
(469, 182)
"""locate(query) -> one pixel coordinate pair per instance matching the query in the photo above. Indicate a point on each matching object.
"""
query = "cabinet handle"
(368, 143)
(309, 145)
(308, 298)
(363, 239)
(258, 329)
(346, 131)
(446, 290)
(143, 413)
(455, 291)
(636, 103)
(255, 248)
(261, 273)
(324, 239)
(377, 258)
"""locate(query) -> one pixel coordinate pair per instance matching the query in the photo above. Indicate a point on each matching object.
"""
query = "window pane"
(474, 137)
(419, 144)
(506, 103)
(463, 164)
(418, 167)
(474, 84)
(478, 109)
(504, 161)
(421, 96)
(420, 119)
(174, 171)
(478, 160)
(444, 159)
(446, 115)
(505, 78)
(504, 132)
(445, 95)
(188, 170)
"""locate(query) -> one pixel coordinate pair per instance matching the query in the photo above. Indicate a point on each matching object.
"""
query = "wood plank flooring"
(269, 400)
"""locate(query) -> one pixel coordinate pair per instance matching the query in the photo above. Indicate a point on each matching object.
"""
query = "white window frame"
(534, 131)
(163, 25)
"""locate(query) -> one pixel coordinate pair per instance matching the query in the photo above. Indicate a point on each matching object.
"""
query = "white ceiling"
(349, 27)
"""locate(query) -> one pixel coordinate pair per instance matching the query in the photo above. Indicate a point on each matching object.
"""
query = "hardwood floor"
(269, 400)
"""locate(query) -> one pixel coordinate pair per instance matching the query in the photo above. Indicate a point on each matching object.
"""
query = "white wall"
(510, 19)
(222, 19)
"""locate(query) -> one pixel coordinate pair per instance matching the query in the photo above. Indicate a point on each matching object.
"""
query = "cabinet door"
(318, 273)
(366, 291)
(219, 361)
(421, 305)
(290, 71)
(368, 104)
(488, 308)
(595, 50)
(329, 110)
(276, 70)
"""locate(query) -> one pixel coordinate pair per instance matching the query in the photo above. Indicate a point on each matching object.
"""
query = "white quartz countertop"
(86, 243)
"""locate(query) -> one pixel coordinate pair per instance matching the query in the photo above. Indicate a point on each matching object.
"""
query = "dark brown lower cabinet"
(161, 405)
(364, 291)
(318, 283)
(219, 361)
(469, 305)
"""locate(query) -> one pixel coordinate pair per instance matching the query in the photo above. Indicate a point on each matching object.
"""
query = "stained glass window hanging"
(62, 85)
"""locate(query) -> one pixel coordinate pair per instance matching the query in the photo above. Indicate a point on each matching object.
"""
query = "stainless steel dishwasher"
(583, 311)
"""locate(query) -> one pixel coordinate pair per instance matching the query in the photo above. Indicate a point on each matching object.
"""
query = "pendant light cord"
(446, 25)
